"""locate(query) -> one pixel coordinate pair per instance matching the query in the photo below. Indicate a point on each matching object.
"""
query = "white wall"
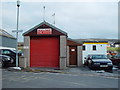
(100, 49)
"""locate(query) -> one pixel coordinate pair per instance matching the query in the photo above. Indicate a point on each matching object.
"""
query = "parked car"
(116, 60)
(9, 53)
(98, 61)
(5, 61)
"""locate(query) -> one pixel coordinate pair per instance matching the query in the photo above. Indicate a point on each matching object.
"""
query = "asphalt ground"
(22, 79)
(79, 70)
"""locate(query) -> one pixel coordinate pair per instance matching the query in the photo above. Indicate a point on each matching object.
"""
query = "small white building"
(94, 47)
(7, 41)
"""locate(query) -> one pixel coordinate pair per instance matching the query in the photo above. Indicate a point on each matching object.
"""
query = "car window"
(99, 57)
(6, 52)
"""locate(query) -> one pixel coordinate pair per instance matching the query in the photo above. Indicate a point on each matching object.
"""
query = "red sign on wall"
(44, 31)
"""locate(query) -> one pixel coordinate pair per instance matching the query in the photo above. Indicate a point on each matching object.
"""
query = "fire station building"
(45, 46)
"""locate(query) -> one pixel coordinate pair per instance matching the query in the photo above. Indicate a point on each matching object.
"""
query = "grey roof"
(6, 34)
(96, 40)
(46, 23)
(74, 40)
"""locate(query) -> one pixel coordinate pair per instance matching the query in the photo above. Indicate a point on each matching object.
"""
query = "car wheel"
(89, 65)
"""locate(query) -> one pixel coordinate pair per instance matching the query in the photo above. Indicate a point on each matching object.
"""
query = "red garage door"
(44, 52)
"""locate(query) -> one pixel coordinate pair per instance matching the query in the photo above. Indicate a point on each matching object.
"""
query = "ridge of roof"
(44, 22)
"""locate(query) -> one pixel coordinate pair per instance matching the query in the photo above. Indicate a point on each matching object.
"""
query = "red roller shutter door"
(44, 52)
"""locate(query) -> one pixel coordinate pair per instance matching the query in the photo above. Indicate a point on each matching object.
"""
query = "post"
(18, 5)
(53, 18)
(43, 13)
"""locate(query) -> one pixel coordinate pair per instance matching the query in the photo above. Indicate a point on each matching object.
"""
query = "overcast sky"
(78, 19)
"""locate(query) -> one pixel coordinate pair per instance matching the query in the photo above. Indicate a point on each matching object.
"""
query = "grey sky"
(78, 19)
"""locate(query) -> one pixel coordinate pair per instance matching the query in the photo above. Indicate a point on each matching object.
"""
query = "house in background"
(94, 47)
(7, 41)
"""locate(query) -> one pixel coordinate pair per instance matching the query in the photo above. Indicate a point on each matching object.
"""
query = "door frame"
(76, 56)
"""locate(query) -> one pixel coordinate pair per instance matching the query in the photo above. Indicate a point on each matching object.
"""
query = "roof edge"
(6, 34)
(44, 22)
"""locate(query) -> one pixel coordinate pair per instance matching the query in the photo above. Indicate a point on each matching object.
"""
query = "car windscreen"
(99, 57)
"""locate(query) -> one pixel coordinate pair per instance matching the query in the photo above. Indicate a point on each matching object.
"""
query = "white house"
(94, 47)
(7, 41)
